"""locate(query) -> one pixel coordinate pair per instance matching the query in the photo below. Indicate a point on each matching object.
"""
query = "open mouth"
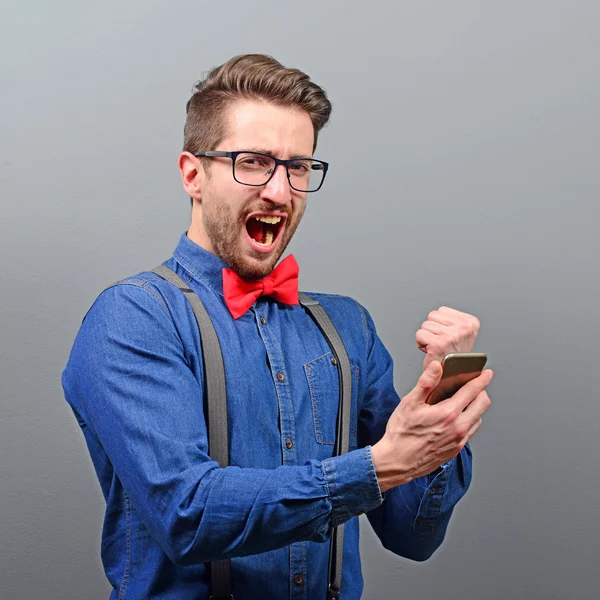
(264, 229)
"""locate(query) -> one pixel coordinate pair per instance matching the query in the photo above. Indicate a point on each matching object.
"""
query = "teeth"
(268, 239)
(269, 220)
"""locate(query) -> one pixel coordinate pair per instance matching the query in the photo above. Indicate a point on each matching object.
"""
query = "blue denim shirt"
(134, 380)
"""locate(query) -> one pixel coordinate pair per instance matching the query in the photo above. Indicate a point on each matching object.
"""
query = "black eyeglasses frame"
(278, 161)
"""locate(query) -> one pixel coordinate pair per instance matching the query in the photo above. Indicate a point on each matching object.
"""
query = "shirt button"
(289, 444)
(333, 361)
(263, 321)
(280, 376)
(299, 579)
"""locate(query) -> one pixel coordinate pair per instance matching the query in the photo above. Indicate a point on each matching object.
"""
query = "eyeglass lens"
(305, 174)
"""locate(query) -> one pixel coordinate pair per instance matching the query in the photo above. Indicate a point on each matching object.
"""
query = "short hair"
(249, 77)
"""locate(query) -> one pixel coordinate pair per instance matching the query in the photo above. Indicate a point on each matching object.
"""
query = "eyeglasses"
(257, 168)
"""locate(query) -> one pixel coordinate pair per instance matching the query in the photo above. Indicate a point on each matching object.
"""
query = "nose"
(278, 189)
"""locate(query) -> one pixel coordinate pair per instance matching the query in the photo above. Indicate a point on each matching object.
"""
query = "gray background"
(464, 147)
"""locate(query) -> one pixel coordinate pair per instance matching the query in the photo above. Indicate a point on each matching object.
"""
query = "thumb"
(428, 381)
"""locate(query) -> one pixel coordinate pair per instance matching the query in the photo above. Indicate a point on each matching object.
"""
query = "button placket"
(298, 571)
(269, 331)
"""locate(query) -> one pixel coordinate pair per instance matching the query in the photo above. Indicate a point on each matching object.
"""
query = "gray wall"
(464, 148)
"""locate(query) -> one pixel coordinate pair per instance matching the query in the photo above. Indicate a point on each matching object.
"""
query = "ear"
(192, 174)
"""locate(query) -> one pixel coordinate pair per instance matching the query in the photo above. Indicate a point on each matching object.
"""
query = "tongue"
(256, 230)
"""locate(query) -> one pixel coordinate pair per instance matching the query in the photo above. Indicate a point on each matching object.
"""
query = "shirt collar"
(200, 263)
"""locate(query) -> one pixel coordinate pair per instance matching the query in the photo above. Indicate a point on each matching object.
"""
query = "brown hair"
(251, 77)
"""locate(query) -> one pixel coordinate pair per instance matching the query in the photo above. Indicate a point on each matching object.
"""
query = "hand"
(446, 330)
(419, 438)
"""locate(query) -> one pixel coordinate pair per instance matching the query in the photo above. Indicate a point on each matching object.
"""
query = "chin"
(245, 268)
(258, 269)
(248, 264)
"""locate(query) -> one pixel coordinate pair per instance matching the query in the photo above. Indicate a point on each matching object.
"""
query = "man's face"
(228, 218)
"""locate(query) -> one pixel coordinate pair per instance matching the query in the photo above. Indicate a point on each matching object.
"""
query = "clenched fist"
(446, 330)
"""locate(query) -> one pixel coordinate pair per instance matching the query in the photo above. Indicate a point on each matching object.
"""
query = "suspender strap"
(216, 393)
(214, 374)
(214, 371)
(342, 438)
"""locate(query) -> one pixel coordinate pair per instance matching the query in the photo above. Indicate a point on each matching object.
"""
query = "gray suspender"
(217, 416)
(213, 369)
(216, 421)
(342, 436)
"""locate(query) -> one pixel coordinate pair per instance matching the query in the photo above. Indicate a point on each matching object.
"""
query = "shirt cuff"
(431, 502)
(351, 484)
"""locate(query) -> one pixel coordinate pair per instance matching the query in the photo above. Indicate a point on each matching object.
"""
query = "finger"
(478, 407)
(469, 392)
(427, 382)
(439, 317)
(425, 339)
(447, 310)
(433, 327)
(470, 433)
(474, 412)
(460, 317)
(475, 427)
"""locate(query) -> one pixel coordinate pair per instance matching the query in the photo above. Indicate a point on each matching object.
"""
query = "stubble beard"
(223, 230)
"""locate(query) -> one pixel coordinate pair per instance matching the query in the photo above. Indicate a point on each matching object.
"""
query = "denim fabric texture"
(134, 380)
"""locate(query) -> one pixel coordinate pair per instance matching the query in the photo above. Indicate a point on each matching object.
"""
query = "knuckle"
(450, 417)
(486, 401)
(466, 328)
(478, 391)
(483, 395)
(461, 431)
(421, 338)
(460, 445)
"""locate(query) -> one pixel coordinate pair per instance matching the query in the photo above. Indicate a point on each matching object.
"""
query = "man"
(135, 381)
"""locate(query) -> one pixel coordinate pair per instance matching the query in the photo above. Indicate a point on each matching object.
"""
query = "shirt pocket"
(323, 383)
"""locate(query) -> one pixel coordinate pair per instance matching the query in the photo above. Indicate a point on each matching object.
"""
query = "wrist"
(389, 473)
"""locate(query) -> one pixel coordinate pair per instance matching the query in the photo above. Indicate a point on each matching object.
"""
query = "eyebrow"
(268, 151)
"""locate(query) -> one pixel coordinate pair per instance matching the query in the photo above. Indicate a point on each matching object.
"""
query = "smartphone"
(459, 368)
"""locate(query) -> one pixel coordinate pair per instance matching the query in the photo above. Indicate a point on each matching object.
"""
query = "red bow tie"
(281, 284)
